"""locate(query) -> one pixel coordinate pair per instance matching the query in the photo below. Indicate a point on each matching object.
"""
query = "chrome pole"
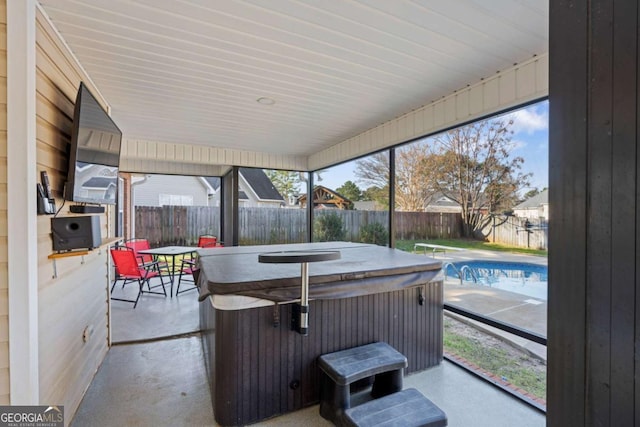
(304, 299)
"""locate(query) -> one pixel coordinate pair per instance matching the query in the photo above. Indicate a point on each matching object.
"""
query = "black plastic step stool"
(342, 368)
(406, 408)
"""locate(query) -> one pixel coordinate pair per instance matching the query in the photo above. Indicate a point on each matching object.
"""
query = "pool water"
(522, 278)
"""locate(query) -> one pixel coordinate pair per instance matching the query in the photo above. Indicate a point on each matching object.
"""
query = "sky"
(530, 141)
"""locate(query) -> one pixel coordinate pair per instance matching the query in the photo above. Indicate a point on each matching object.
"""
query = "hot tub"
(258, 367)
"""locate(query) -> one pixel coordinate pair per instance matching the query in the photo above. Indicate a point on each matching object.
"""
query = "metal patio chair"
(130, 270)
(189, 267)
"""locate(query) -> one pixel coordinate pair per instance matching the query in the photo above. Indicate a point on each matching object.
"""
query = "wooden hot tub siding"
(254, 367)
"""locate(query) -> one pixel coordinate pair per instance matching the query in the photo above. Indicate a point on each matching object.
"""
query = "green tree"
(415, 183)
(414, 177)
(350, 190)
(375, 233)
(474, 167)
(286, 182)
(328, 228)
(376, 194)
(531, 193)
(373, 171)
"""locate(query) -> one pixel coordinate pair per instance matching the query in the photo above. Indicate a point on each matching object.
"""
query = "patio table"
(173, 252)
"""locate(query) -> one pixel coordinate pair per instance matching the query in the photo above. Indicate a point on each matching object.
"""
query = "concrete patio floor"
(164, 383)
(156, 375)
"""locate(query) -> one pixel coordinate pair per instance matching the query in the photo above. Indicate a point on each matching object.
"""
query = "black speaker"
(76, 232)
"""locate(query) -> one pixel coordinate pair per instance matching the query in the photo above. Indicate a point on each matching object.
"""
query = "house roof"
(257, 180)
(99, 182)
(213, 181)
(326, 197)
(535, 201)
(261, 184)
(443, 201)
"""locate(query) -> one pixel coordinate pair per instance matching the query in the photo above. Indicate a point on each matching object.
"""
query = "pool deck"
(520, 310)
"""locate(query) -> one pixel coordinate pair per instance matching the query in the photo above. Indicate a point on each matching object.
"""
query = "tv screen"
(95, 153)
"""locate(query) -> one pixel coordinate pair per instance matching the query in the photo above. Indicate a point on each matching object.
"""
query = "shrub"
(328, 228)
(374, 233)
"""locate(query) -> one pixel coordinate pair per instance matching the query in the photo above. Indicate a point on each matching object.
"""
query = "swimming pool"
(519, 277)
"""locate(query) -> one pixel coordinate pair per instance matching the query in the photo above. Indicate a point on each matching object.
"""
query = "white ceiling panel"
(190, 71)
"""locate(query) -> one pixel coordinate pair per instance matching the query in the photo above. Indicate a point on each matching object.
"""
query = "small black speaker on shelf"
(76, 232)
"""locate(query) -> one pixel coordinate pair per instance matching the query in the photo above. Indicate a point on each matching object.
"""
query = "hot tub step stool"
(342, 368)
(406, 408)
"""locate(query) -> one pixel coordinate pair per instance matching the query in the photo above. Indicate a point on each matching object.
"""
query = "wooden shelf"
(105, 242)
(68, 254)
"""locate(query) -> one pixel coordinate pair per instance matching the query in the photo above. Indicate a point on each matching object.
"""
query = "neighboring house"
(99, 188)
(95, 181)
(443, 204)
(161, 190)
(325, 198)
(255, 190)
(534, 207)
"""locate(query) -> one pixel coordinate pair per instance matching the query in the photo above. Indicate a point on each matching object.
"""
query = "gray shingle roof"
(99, 182)
(213, 181)
(257, 180)
(535, 201)
(261, 184)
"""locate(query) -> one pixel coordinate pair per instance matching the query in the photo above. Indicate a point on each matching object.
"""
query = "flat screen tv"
(95, 153)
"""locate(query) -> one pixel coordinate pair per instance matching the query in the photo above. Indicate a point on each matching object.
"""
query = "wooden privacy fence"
(427, 225)
(181, 225)
(353, 220)
(176, 225)
(268, 226)
(513, 231)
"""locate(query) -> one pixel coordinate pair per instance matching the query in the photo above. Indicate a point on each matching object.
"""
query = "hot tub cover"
(363, 269)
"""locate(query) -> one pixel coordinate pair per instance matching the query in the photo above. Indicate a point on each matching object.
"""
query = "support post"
(22, 240)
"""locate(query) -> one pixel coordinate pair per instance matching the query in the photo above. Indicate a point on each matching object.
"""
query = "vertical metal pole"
(235, 238)
(392, 198)
(309, 206)
(304, 299)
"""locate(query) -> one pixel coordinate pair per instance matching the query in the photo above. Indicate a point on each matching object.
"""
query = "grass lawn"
(407, 245)
(496, 357)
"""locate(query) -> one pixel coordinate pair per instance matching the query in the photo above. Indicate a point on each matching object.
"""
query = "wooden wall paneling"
(599, 213)
(507, 87)
(77, 297)
(476, 100)
(274, 370)
(593, 263)
(526, 80)
(542, 72)
(491, 94)
(439, 117)
(59, 374)
(462, 105)
(624, 254)
(4, 277)
(450, 108)
(180, 155)
(567, 233)
(49, 60)
(637, 274)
